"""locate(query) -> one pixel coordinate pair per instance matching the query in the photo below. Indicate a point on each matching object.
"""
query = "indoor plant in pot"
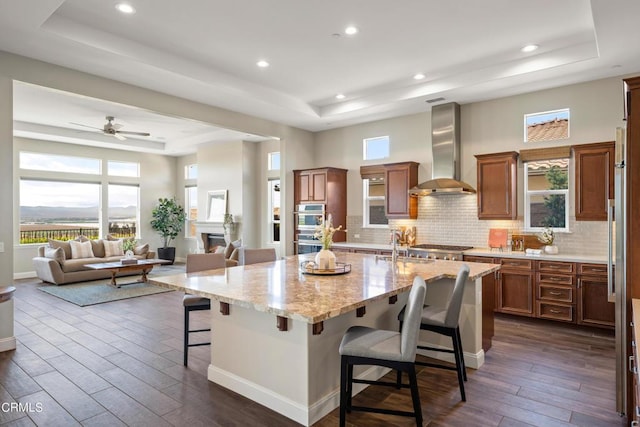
(168, 218)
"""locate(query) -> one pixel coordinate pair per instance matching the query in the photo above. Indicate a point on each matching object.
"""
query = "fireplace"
(212, 240)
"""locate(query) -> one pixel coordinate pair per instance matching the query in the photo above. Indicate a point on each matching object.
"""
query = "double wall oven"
(306, 218)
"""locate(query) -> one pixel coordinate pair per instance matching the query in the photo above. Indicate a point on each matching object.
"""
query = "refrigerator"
(617, 288)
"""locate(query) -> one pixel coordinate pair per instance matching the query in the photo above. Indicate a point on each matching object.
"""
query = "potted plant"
(168, 218)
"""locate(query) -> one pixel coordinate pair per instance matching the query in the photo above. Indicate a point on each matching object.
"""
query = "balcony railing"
(42, 234)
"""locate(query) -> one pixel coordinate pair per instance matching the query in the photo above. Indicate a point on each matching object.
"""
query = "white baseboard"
(24, 275)
(293, 410)
(471, 360)
(7, 344)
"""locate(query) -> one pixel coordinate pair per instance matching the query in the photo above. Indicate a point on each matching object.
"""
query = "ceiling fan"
(113, 129)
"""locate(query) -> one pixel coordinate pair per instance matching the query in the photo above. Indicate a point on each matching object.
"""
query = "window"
(546, 126)
(123, 211)
(374, 202)
(191, 203)
(546, 186)
(274, 161)
(58, 210)
(191, 171)
(58, 163)
(130, 169)
(376, 148)
(274, 209)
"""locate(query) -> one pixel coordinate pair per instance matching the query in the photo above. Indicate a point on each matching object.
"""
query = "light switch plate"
(1, 246)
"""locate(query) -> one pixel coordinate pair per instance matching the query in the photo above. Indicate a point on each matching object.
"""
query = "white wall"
(158, 180)
(6, 180)
(486, 127)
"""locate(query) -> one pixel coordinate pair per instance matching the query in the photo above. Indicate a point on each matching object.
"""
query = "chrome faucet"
(396, 235)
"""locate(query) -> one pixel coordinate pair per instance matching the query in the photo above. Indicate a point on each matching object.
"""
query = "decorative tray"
(310, 267)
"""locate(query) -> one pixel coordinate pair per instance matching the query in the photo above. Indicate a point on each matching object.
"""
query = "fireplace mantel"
(209, 227)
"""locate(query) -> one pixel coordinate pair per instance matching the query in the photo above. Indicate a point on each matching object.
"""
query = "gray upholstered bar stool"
(445, 321)
(195, 263)
(362, 345)
(254, 256)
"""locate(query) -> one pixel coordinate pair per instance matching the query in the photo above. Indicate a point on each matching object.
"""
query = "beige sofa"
(56, 263)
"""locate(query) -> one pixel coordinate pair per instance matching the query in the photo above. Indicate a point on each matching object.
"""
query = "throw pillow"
(231, 246)
(141, 249)
(220, 250)
(54, 253)
(81, 249)
(64, 244)
(98, 248)
(112, 248)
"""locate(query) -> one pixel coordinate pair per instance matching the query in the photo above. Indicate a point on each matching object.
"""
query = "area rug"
(100, 291)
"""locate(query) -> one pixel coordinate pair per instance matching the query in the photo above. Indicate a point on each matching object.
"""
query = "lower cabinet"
(554, 290)
(594, 308)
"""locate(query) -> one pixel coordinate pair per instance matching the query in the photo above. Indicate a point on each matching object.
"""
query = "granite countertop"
(282, 289)
(376, 246)
(568, 257)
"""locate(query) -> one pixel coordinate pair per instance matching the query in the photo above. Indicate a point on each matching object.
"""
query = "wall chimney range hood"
(445, 147)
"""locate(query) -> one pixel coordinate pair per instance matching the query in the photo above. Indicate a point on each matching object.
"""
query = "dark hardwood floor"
(120, 363)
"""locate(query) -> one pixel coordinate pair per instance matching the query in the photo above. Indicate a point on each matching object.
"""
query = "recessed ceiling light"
(340, 96)
(125, 8)
(419, 76)
(351, 30)
(529, 48)
(262, 64)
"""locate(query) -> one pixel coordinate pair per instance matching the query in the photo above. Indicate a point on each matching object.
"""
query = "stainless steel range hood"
(445, 146)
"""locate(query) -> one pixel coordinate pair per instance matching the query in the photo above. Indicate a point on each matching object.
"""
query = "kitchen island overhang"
(276, 331)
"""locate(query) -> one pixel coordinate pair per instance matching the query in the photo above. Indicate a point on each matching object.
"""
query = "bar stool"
(254, 256)
(445, 321)
(195, 263)
(362, 345)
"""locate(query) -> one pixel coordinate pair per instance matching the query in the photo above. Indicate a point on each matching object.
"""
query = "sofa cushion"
(79, 264)
(98, 248)
(113, 248)
(54, 253)
(141, 249)
(64, 244)
(81, 249)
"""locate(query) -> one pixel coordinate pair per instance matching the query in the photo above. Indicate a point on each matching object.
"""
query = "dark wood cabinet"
(556, 290)
(497, 185)
(399, 178)
(515, 287)
(594, 308)
(327, 186)
(594, 170)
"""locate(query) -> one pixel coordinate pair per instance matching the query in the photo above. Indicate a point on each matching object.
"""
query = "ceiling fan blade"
(120, 137)
(87, 126)
(133, 133)
(116, 126)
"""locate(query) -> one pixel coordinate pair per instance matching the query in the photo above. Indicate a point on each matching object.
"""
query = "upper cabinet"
(594, 180)
(399, 178)
(497, 185)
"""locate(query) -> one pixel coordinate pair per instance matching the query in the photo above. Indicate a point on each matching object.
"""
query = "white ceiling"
(206, 51)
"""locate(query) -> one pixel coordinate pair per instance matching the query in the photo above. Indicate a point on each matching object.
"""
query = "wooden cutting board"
(498, 237)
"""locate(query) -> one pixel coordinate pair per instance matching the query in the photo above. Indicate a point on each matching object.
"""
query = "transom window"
(546, 186)
(118, 168)
(375, 148)
(274, 161)
(59, 163)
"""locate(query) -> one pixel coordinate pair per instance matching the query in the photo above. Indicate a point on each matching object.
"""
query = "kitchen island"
(276, 330)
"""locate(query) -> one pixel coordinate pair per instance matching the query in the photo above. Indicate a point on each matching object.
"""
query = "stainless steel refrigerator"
(617, 276)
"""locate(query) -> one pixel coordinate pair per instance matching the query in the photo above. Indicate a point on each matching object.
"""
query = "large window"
(546, 185)
(123, 210)
(274, 209)
(61, 197)
(58, 210)
(374, 202)
(375, 148)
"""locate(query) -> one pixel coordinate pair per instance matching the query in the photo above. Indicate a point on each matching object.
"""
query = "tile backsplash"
(453, 220)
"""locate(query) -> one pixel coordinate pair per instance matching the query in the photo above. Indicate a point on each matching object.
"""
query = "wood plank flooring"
(120, 364)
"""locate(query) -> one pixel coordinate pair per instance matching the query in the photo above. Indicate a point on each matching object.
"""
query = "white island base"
(297, 373)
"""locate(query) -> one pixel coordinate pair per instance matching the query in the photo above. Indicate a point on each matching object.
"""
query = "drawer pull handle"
(555, 293)
(555, 279)
(555, 311)
(632, 367)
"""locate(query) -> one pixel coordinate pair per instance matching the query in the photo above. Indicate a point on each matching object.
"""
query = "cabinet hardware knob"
(555, 293)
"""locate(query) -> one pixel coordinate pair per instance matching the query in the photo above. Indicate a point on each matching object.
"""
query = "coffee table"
(143, 265)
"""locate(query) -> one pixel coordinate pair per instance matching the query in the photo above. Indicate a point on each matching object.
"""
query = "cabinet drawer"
(516, 264)
(593, 269)
(555, 311)
(555, 293)
(483, 259)
(557, 267)
(556, 279)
